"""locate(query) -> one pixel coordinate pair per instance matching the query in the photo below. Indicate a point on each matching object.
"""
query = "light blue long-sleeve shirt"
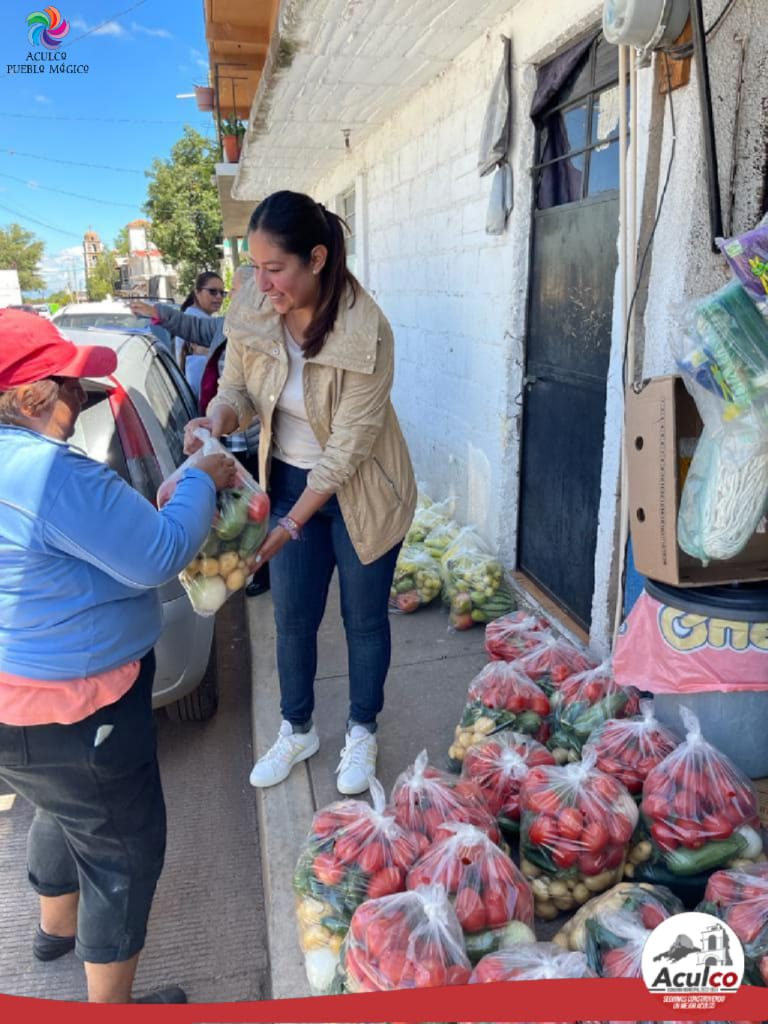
(81, 556)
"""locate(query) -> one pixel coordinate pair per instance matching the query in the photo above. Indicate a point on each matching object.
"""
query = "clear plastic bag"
(615, 943)
(499, 697)
(582, 704)
(724, 353)
(240, 525)
(538, 961)
(485, 888)
(511, 636)
(551, 661)
(425, 799)
(354, 852)
(498, 765)
(630, 748)
(474, 585)
(417, 579)
(440, 538)
(649, 905)
(747, 257)
(428, 515)
(725, 494)
(409, 940)
(700, 810)
(740, 898)
(576, 827)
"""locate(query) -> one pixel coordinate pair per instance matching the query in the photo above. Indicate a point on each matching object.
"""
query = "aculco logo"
(693, 956)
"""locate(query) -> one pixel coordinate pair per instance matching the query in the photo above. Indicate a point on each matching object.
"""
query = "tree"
(21, 251)
(183, 205)
(121, 245)
(102, 278)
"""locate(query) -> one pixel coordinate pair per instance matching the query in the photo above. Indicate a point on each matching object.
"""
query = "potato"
(564, 902)
(465, 739)
(640, 852)
(581, 893)
(561, 939)
(484, 725)
(310, 911)
(540, 887)
(596, 883)
(558, 888)
(528, 869)
(194, 567)
(227, 563)
(315, 937)
(336, 943)
(236, 580)
(209, 566)
(546, 910)
(629, 870)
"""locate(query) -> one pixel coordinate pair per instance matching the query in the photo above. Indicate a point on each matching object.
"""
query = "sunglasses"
(216, 291)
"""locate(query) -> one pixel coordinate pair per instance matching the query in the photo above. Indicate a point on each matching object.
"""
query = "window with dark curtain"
(576, 111)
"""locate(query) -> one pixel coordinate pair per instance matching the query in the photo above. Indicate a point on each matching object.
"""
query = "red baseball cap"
(31, 348)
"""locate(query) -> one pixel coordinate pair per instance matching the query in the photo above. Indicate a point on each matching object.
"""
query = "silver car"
(134, 421)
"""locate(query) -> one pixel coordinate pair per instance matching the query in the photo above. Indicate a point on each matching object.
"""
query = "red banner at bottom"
(598, 999)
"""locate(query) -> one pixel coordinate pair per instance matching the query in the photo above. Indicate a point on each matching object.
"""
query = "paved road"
(207, 931)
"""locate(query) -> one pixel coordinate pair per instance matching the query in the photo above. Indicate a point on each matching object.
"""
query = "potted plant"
(204, 97)
(232, 133)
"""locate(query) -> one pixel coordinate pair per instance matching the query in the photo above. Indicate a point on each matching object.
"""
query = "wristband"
(291, 527)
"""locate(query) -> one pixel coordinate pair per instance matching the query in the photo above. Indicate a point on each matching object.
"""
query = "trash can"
(705, 648)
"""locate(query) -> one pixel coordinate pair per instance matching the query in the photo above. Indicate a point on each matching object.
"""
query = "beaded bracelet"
(291, 527)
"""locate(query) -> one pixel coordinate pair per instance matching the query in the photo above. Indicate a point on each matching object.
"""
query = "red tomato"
(664, 837)
(619, 963)
(378, 938)
(547, 801)
(386, 881)
(470, 910)
(497, 907)
(346, 849)
(606, 788)
(372, 857)
(716, 826)
(619, 828)
(258, 507)
(652, 915)
(653, 806)
(747, 920)
(570, 823)
(391, 966)
(404, 852)
(594, 691)
(429, 972)
(595, 837)
(565, 857)
(543, 832)
(327, 869)
(457, 974)
(614, 855)
(592, 863)
(540, 705)
(324, 824)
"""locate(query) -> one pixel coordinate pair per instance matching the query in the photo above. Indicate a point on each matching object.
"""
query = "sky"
(121, 114)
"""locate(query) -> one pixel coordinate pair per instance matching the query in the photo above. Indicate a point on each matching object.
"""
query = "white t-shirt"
(294, 439)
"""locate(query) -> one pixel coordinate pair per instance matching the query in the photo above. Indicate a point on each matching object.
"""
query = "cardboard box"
(761, 785)
(662, 424)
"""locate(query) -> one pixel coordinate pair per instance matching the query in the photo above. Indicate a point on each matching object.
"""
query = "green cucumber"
(714, 854)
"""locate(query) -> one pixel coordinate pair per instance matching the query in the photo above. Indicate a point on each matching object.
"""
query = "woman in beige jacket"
(310, 353)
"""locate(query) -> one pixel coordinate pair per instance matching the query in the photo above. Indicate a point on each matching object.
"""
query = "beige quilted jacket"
(347, 387)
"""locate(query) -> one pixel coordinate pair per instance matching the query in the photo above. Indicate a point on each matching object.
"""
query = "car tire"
(200, 705)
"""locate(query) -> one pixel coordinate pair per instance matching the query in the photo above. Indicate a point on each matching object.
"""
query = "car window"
(171, 406)
(99, 320)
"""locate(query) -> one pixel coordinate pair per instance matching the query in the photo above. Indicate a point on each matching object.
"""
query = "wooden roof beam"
(256, 39)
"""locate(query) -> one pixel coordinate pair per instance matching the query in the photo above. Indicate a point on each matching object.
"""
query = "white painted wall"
(456, 297)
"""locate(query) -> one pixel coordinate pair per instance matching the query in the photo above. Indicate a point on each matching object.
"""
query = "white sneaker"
(358, 761)
(289, 748)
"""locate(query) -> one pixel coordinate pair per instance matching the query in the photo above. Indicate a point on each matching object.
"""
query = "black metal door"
(569, 337)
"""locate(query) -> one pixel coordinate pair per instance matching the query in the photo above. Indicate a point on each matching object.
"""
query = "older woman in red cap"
(81, 557)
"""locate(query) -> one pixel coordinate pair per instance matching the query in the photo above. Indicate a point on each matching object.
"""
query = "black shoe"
(51, 947)
(259, 584)
(172, 994)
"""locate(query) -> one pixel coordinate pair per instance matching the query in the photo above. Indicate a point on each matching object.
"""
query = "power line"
(72, 195)
(41, 223)
(72, 163)
(101, 24)
(98, 120)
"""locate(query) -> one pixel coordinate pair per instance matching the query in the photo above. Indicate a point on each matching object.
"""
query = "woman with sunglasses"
(311, 354)
(204, 300)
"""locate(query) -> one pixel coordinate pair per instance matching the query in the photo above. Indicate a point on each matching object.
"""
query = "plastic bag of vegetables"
(226, 559)
(584, 702)
(648, 904)
(474, 586)
(499, 697)
(440, 538)
(576, 827)
(509, 637)
(354, 852)
(538, 961)
(740, 898)
(417, 579)
(498, 765)
(426, 518)
(699, 808)
(409, 940)
(425, 799)
(630, 748)
(551, 661)
(615, 942)
(487, 891)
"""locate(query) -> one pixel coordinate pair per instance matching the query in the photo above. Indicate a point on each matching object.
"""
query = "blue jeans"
(301, 575)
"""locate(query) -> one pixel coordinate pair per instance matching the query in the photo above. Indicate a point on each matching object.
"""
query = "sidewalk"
(426, 689)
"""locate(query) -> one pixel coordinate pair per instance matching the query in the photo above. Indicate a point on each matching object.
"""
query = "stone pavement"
(426, 690)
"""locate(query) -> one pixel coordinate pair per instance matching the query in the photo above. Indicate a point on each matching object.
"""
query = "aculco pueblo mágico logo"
(694, 960)
(46, 29)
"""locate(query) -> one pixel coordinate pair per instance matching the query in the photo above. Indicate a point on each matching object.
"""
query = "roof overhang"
(235, 214)
(336, 71)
